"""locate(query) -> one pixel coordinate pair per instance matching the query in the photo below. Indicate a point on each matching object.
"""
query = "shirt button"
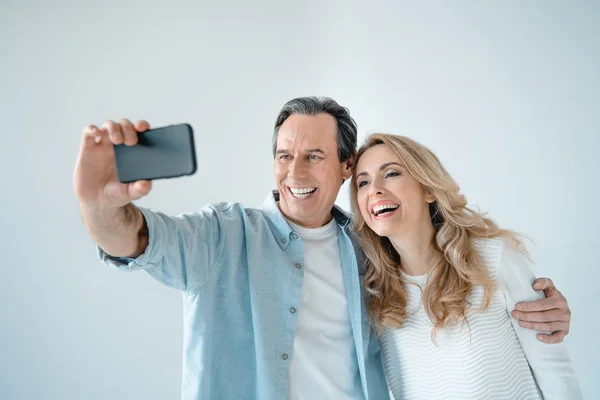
(283, 240)
(295, 236)
(292, 310)
(297, 265)
(285, 356)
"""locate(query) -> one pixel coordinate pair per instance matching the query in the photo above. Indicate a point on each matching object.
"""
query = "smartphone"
(166, 152)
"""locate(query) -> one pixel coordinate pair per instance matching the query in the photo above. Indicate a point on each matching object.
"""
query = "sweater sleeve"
(550, 363)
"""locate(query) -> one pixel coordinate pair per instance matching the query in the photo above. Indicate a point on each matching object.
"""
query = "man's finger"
(114, 132)
(139, 189)
(539, 305)
(543, 284)
(556, 337)
(548, 327)
(130, 136)
(141, 126)
(92, 135)
(543, 316)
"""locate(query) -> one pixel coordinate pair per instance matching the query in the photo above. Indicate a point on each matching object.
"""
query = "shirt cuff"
(150, 257)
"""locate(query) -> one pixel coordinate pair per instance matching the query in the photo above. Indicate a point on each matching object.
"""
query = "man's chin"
(298, 212)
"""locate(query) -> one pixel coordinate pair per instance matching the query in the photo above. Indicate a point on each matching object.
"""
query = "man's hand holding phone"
(118, 161)
(96, 181)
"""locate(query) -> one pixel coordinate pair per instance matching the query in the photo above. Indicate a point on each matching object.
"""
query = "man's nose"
(297, 169)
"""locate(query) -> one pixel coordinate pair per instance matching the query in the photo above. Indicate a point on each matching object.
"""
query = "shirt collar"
(282, 231)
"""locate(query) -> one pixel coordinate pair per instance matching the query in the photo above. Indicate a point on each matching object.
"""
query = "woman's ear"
(430, 198)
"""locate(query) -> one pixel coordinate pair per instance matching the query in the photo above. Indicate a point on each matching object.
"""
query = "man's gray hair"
(346, 126)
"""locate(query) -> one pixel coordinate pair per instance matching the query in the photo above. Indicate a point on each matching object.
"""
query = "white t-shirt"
(323, 365)
(495, 359)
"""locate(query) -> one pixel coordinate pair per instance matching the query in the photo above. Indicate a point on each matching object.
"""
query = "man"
(273, 299)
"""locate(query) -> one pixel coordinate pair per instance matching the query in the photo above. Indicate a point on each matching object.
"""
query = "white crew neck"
(324, 230)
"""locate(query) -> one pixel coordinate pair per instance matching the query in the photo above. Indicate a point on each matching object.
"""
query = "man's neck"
(308, 224)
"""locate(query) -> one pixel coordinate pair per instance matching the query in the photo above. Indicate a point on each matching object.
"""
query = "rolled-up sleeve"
(181, 249)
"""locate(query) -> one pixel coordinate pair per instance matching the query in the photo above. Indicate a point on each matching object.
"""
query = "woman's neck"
(415, 249)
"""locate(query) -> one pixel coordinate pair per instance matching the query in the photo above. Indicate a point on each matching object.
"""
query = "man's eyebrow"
(383, 166)
(283, 151)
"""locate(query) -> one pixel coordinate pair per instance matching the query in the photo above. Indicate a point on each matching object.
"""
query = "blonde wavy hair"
(456, 266)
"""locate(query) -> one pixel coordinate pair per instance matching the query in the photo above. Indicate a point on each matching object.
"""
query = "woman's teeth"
(383, 208)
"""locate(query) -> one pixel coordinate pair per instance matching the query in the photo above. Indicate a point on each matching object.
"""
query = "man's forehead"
(304, 138)
(308, 132)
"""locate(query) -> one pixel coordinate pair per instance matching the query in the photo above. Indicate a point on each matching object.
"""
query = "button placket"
(294, 245)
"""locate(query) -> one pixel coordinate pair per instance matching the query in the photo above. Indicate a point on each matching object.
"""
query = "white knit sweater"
(496, 359)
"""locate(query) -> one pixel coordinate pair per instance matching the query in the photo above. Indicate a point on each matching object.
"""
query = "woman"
(443, 280)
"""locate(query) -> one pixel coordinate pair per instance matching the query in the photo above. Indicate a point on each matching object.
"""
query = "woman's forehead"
(376, 156)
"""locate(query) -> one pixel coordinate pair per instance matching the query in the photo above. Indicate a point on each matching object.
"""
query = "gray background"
(506, 94)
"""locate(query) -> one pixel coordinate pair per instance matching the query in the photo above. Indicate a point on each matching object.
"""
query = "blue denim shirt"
(240, 272)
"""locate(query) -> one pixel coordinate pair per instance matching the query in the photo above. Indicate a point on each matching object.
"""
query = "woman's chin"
(381, 231)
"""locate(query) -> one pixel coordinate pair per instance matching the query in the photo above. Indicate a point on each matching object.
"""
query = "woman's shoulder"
(497, 251)
(491, 251)
(489, 248)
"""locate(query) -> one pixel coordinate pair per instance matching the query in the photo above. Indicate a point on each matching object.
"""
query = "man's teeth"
(302, 192)
(384, 207)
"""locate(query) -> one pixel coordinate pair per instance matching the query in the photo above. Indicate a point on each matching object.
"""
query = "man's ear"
(347, 172)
